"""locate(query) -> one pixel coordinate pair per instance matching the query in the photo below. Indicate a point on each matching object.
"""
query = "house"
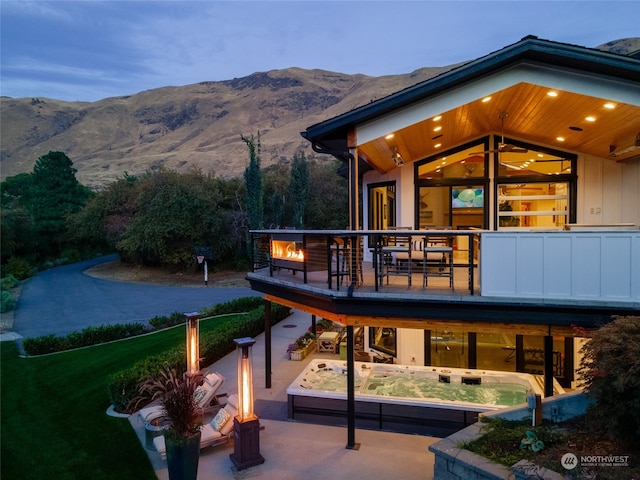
(494, 216)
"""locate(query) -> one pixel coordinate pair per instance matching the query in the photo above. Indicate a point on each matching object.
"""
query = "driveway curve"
(64, 299)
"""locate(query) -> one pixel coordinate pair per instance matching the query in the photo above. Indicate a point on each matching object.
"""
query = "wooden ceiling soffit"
(306, 308)
(426, 324)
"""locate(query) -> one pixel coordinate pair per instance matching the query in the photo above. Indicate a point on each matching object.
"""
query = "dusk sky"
(89, 50)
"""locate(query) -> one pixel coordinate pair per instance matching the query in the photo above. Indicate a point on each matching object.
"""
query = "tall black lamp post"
(246, 426)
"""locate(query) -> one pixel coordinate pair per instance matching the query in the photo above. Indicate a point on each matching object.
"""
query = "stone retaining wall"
(454, 463)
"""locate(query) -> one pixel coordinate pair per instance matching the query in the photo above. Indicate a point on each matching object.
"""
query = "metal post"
(267, 344)
(351, 396)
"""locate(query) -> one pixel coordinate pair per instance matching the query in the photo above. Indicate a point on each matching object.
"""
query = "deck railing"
(562, 265)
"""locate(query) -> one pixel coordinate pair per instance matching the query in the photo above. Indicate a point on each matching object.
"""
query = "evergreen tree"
(253, 185)
(55, 193)
(299, 189)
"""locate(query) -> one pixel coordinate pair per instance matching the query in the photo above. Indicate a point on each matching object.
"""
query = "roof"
(532, 51)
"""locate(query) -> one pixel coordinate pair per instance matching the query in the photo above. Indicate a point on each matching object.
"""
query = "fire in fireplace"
(286, 250)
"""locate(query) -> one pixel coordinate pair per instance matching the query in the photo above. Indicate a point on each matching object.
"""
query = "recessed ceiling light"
(560, 139)
(436, 137)
(610, 106)
(437, 118)
(575, 129)
(437, 145)
(438, 128)
(552, 93)
(486, 99)
(444, 162)
(590, 119)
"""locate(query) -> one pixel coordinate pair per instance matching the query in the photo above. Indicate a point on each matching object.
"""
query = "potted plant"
(183, 418)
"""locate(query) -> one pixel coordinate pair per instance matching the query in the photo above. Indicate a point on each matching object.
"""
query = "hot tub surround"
(405, 398)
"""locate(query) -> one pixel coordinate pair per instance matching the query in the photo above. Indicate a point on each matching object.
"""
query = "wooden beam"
(305, 308)
(429, 324)
(479, 327)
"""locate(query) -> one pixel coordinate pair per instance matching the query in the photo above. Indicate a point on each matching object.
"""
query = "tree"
(173, 214)
(16, 223)
(253, 184)
(328, 198)
(299, 190)
(55, 193)
(611, 373)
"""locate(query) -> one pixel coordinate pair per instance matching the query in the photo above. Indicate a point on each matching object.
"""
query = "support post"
(267, 344)
(351, 395)
(548, 366)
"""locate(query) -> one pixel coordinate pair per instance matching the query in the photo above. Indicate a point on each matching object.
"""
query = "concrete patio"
(292, 449)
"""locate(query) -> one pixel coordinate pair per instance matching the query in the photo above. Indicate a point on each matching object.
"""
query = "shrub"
(7, 302)
(123, 387)
(159, 322)
(8, 282)
(19, 268)
(86, 337)
(611, 373)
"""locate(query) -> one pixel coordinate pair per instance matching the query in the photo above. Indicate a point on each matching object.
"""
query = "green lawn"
(53, 421)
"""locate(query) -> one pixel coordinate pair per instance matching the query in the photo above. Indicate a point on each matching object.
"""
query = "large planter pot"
(182, 457)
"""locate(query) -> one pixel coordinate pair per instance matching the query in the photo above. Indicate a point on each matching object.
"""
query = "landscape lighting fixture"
(193, 343)
(246, 426)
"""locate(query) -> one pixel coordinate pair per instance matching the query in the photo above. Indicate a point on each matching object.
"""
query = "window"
(383, 339)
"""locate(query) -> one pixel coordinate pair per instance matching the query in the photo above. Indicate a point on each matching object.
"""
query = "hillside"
(197, 125)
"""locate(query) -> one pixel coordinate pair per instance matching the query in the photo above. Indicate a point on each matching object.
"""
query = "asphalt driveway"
(63, 300)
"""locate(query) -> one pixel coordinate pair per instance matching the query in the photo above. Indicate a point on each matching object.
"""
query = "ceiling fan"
(504, 147)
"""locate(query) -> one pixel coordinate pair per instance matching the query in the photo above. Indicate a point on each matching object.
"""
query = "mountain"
(197, 125)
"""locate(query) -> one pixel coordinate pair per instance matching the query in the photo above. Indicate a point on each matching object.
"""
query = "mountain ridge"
(193, 126)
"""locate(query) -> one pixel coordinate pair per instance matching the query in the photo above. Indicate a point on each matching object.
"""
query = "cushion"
(199, 394)
(232, 410)
(221, 418)
(213, 379)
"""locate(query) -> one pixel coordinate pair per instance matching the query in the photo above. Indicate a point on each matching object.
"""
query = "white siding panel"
(585, 259)
(557, 266)
(616, 267)
(530, 269)
(501, 254)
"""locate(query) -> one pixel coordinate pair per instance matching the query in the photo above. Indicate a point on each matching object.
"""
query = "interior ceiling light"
(560, 139)
(397, 158)
(486, 99)
(610, 106)
(552, 93)
(437, 118)
(390, 136)
(590, 119)
(438, 128)
(437, 145)
(614, 152)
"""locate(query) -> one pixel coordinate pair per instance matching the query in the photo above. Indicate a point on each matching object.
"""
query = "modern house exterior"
(494, 216)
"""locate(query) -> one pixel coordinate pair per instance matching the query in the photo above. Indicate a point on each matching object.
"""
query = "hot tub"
(403, 397)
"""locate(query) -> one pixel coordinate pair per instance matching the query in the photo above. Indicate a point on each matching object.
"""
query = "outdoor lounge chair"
(205, 394)
(217, 431)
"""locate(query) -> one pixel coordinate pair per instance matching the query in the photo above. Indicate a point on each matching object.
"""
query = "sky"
(89, 50)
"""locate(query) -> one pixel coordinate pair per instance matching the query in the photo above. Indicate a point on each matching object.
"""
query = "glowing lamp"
(193, 343)
(245, 379)
(246, 426)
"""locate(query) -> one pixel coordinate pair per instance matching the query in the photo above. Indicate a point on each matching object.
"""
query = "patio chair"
(204, 394)
(217, 431)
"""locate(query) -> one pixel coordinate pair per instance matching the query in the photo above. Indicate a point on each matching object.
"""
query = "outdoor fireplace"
(297, 252)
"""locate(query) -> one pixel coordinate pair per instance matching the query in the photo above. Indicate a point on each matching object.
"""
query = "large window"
(383, 339)
(452, 188)
(535, 188)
